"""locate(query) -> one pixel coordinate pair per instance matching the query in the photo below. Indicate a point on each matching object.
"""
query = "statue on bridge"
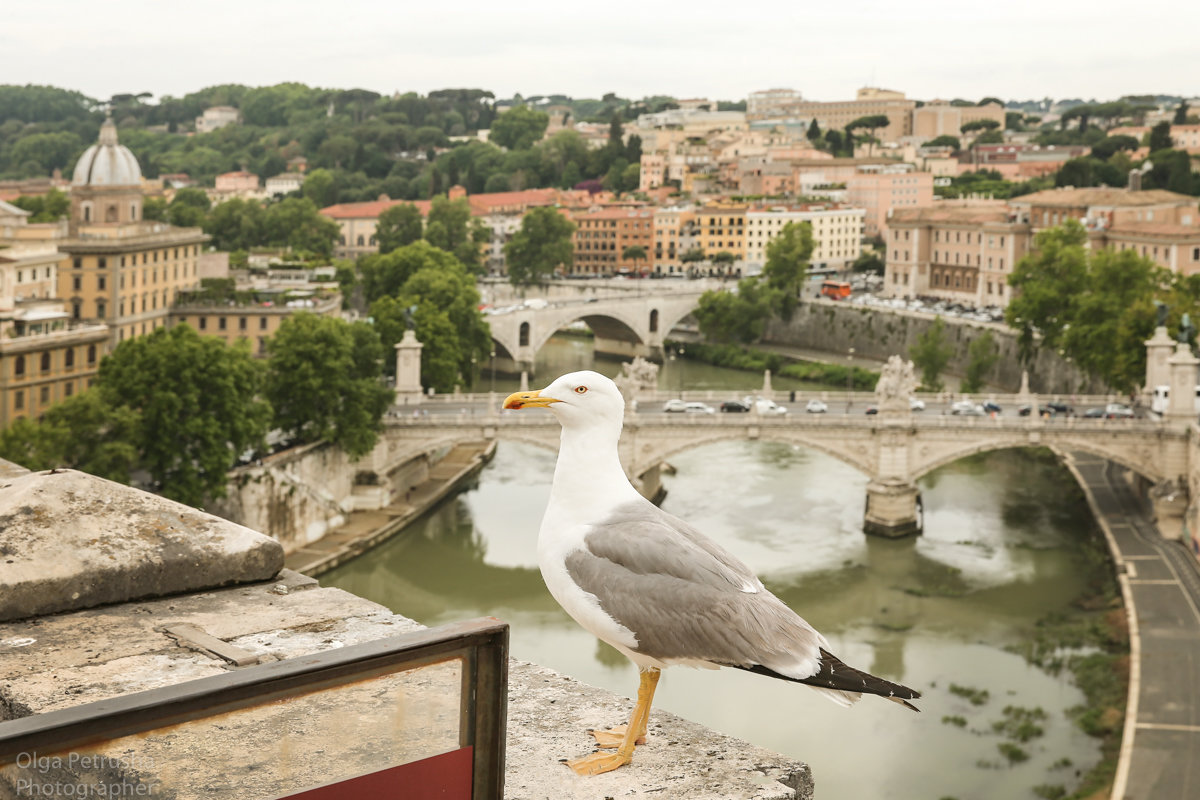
(1160, 314)
(1186, 329)
(637, 376)
(897, 382)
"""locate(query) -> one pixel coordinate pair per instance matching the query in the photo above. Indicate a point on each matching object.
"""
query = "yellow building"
(252, 315)
(45, 356)
(120, 268)
(721, 229)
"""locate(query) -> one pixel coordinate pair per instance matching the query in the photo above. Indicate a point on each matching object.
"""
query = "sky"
(971, 49)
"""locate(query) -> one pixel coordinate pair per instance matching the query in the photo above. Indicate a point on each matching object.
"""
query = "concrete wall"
(878, 333)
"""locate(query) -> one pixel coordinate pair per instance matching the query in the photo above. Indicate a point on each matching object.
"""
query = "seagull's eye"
(580, 390)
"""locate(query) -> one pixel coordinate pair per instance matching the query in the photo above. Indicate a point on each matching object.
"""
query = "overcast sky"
(952, 48)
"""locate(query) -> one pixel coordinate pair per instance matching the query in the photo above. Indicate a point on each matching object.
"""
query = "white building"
(217, 117)
(837, 233)
(284, 183)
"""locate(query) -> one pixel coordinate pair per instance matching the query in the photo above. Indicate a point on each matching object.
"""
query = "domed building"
(121, 269)
(107, 185)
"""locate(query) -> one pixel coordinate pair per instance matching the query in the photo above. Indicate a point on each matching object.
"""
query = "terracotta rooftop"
(1103, 197)
(371, 209)
(1154, 229)
(974, 214)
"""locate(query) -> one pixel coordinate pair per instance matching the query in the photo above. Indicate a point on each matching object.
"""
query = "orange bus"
(835, 290)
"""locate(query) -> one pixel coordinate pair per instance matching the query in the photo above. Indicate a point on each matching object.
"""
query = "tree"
(323, 380)
(869, 261)
(198, 402)
(189, 207)
(979, 125)
(383, 275)
(154, 209)
(931, 354)
(1046, 285)
(945, 141)
(237, 224)
(519, 128)
(814, 131)
(295, 222)
(989, 137)
(541, 245)
(319, 188)
(49, 207)
(398, 226)
(735, 317)
(787, 262)
(1160, 137)
(452, 228)
(82, 432)
(1106, 148)
(981, 357)
(1181, 113)
(692, 255)
(634, 253)
(448, 323)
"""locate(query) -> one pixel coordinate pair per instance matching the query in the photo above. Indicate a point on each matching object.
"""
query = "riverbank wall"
(877, 333)
(217, 601)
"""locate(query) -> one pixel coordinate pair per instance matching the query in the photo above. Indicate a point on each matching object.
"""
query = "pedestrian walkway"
(1160, 750)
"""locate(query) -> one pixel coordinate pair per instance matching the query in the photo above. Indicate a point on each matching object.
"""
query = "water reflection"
(1002, 548)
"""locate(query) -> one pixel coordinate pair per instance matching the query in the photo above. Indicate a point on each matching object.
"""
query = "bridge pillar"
(1181, 405)
(893, 509)
(1158, 351)
(621, 348)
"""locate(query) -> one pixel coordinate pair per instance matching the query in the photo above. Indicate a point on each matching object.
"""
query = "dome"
(107, 163)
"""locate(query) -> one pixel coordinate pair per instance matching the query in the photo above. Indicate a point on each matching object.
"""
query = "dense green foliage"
(398, 226)
(1096, 307)
(747, 358)
(540, 246)
(82, 432)
(323, 381)
(931, 354)
(787, 264)
(982, 355)
(198, 404)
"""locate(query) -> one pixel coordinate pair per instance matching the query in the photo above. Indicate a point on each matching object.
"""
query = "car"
(674, 405)
(916, 404)
(765, 406)
(974, 411)
(1094, 413)
(991, 407)
(695, 407)
(871, 410)
(962, 407)
(735, 406)
(816, 407)
(1059, 407)
(1043, 410)
(1118, 411)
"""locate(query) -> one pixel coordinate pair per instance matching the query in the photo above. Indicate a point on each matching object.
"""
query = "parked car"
(991, 408)
(975, 410)
(1059, 407)
(735, 406)
(916, 404)
(962, 407)
(816, 407)
(674, 405)
(1094, 413)
(1043, 410)
(696, 407)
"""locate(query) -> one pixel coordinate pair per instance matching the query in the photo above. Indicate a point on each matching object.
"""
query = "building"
(868, 102)
(721, 229)
(236, 182)
(45, 356)
(671, 239)
(653, 171)
(939, 118)
(217, 117)
(771, 103)
(602, 235)
(284, 183)
(959, 251)
(880, 189)
(119, 268)
(837, 232)
(251, 315)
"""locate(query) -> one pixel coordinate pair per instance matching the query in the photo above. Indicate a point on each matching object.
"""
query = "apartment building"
(880, 189)
(671, 238)
(721, 229)
(868, 101)
(252, 316)
(771, 103)
(602, 234)
(939, 118)
(837, 232)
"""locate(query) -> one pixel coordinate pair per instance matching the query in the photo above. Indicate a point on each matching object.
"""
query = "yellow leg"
(597, 763)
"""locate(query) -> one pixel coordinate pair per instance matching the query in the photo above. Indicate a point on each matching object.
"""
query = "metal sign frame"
(481, 644)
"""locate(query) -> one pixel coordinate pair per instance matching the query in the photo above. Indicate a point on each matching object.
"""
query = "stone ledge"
(72, 540)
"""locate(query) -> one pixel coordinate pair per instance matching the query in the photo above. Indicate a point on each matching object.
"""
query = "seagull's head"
(578, 399)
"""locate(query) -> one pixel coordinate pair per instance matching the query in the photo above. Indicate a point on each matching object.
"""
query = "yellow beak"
(518, 400)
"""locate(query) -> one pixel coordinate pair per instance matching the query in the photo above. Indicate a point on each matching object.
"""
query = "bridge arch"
(1142, 466)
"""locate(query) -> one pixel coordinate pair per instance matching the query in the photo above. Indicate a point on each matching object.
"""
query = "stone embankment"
(161, 595)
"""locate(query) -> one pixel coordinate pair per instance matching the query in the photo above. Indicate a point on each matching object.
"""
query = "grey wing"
(684, 597)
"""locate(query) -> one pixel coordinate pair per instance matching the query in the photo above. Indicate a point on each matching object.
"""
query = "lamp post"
(679, 371)
(492, 370)
(849, 379)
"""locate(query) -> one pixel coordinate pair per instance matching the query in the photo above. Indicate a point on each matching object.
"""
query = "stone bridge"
(893, 449)
(630, 325)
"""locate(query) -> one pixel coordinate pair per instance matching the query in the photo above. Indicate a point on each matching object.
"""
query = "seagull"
(654, 587)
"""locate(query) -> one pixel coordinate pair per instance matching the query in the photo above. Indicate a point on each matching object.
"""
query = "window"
(69, 357)
(221, 323)
(101, 308)
(242, 323)
(91, 354)
(45, 362)
(101, 282)
(45, 395)
(19, 367)
(19, 399)
(76, 282)
(262, 323)
(203, 323)
(69, 388)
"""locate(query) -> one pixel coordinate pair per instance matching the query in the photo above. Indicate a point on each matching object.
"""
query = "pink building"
(882, 189)
(233, 182)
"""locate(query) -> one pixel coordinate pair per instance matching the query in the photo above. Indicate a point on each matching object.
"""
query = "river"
(1006, 542)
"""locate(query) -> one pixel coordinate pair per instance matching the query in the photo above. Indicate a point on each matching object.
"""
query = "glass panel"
(265, 750)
